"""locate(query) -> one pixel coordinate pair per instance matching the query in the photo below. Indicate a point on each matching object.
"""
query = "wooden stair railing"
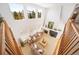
(57, 46)
(8, 44)
(69, 44)
(56, 51)
(2, 38)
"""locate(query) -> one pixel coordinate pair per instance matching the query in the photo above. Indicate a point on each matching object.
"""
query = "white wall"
(53, 14)
(25, 26)
(54, 11)
(35, 24)
(21, 27)
(67, 11)
(16, 26)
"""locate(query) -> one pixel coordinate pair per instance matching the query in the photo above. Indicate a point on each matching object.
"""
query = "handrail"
(57, 46)
(2, 38)
(67, 37)
(59, 42)
(8, 44)
(75, 29)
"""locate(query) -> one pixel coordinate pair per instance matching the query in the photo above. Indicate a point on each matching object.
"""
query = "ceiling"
(48, 5)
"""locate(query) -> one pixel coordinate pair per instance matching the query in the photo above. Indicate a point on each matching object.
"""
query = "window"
(31, 13)
(17, 11)
(39, 13)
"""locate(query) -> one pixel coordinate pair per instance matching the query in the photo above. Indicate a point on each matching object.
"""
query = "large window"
(31, 14)
(34, 13)
(17, 11)
(39, 13)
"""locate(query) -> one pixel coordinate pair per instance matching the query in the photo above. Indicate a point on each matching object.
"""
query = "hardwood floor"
(48, 50)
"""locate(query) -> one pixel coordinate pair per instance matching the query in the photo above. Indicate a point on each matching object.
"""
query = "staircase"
(8, 44)
(68, 44)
